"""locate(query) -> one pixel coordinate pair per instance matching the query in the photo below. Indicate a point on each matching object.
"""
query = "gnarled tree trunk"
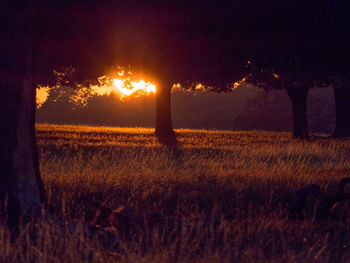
(21, 187)
(164, 128)
(341, 91)
(298, 96)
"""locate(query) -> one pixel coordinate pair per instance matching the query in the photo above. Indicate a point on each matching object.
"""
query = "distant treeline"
(247, 108)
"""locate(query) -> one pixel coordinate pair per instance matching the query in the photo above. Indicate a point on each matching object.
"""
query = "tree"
(337, 56)
(341, 89)
(294, 55)
(109, 35)
(287, 44)
(295, 74)
(167, 41)
(164, 127)
(21, 187)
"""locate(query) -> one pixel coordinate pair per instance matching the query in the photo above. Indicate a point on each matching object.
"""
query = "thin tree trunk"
(164, 128)
(342, 110)
(298, 96)
(21, 187)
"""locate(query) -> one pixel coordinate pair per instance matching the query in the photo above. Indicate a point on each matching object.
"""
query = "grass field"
(244, 178)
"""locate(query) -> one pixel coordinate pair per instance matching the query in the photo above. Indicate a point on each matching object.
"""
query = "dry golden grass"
(245, 177)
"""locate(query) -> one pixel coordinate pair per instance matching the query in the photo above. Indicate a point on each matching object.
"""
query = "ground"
(245, 180)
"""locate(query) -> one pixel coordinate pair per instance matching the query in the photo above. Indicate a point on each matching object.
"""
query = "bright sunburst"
(124, 86)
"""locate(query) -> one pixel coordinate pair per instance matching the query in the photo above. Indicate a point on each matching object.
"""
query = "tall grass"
(246, 178)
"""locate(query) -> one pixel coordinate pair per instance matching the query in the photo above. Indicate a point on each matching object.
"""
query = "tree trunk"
(298, 96)
(164, 128)
(342, 109)
(21, 187)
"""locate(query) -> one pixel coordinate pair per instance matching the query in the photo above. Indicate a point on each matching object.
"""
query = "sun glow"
(123, 83)
(124, 87)
(237, 83)
(42, 93)
(139, 88)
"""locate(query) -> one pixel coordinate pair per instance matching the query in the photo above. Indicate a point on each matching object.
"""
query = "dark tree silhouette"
(298, 54)
(21, 188)
(337, 52)
(341, 89)
(298, 95)
(164, 127)
(292, 79)
(98, 37)
(287, 43)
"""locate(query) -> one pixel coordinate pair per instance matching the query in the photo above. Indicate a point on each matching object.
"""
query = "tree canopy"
(192, 41)
(185, 41)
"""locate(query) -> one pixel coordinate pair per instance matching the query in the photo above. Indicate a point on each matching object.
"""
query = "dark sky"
(182, 40)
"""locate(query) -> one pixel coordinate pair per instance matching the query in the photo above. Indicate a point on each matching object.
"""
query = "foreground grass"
(246, 178)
